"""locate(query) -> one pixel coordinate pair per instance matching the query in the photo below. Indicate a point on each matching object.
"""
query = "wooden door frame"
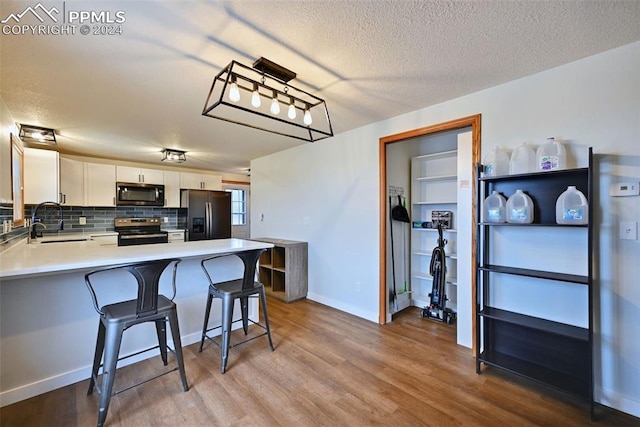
(471, 121)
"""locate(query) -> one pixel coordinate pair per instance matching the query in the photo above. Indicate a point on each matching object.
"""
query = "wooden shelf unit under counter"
(283, 269)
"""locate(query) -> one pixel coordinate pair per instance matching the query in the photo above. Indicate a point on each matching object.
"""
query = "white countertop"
(22, 259)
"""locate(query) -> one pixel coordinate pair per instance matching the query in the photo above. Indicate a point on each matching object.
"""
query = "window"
(238, 207)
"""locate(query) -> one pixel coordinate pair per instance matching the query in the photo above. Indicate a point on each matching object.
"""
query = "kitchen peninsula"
(47, 321)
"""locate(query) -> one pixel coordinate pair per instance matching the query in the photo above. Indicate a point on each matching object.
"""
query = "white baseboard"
(339, 305)
(617, 401)
(48, 384)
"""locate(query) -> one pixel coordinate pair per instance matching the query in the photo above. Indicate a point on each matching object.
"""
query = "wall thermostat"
(620, 189)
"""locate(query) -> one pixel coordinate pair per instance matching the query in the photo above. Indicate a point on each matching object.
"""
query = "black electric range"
(139, 231)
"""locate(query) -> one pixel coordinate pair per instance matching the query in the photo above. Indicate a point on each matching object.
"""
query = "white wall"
(327, 194)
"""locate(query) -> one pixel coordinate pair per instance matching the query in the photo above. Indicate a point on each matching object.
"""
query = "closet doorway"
(422, 146)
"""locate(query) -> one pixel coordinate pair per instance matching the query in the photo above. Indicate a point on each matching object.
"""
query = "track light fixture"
(237, 94)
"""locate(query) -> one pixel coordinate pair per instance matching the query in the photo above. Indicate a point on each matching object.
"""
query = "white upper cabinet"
(40, 176)
(71, 182)
(133, 174)
(172, 189)
(100, 184)
(196, 181)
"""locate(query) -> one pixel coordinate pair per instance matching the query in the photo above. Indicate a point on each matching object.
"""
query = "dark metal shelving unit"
(549, 352)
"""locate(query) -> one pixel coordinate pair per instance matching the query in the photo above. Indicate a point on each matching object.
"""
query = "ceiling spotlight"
(171, 155)
(37, 135)
(226, 101)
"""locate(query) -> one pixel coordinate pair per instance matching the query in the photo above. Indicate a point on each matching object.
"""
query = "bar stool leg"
(207, 312)
(263, 299)
(227, 319)
(113, 338)
(244, 305)
(161, 331)
(177, 343)
(97, 358)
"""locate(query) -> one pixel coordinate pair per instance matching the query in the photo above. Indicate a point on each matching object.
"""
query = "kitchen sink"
(63, 240)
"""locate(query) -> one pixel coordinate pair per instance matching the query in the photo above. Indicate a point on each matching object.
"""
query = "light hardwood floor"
(329, 369)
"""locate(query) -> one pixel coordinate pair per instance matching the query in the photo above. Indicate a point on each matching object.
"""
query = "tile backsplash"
(100, 219)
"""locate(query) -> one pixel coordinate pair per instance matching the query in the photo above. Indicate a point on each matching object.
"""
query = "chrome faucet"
(32, 228)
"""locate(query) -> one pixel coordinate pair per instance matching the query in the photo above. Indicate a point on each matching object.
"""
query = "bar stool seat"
(229, 292)
(149, 306)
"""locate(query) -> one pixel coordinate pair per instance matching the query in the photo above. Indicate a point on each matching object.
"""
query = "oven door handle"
(141, 236)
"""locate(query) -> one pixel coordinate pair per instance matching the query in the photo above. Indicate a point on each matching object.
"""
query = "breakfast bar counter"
(70, 253)
(47, 321)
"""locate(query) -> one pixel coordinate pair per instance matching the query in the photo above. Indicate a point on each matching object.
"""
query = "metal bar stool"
(150, 306)
(230, 291)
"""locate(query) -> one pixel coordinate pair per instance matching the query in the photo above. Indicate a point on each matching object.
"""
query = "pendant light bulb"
(307, 117)
(275, 106)
(255, 98)
(234, 92)
(292, 111)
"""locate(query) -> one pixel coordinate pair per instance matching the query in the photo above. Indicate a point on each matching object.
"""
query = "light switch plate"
(628, 230)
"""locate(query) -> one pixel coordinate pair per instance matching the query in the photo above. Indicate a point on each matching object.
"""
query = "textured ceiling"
(128, 96)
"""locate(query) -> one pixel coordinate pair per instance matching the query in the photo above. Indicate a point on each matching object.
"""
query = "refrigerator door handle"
(207, 220)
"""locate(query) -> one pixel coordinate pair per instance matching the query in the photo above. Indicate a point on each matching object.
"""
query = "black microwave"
(138, 194)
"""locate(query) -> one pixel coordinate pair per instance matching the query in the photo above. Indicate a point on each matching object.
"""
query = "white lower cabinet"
(176, 236)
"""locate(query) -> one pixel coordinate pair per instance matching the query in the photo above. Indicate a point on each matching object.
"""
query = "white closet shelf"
(437, 155)
(437, 178)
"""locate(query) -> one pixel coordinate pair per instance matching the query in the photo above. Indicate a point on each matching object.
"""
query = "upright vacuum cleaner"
(437, 309)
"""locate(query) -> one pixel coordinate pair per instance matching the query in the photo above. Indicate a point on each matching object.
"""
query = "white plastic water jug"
(496, 163)
(520, 208)
(523, 160)
(551, 156)
(494, 208)
(572, 207)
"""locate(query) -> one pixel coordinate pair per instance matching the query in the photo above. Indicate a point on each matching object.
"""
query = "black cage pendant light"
(262, 98)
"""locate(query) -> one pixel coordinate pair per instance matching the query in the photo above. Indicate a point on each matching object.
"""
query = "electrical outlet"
(166, 219)
(82, 220)
(629, 230)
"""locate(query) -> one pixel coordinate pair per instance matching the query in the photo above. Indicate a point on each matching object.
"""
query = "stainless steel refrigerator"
(208, 214)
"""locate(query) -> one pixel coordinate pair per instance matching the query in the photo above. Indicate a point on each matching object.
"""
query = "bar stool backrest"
(147, 275)
(249, 259)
